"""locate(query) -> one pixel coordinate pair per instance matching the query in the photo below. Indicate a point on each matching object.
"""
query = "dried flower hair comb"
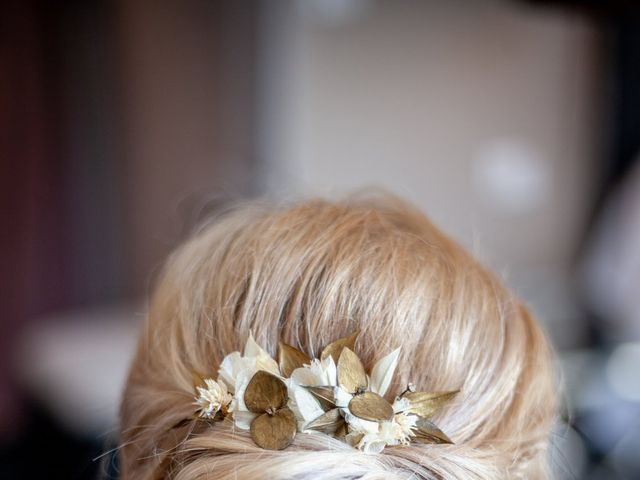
(332, 395)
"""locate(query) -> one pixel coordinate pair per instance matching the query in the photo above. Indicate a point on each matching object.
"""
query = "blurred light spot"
(511, 177)
(333, 13)
(606, 426)
(76, 364)
(623, 371)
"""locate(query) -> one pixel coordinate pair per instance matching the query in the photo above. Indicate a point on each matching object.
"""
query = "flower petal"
(229, 369)
(251, 348)
(382, 372)
(307, 405)
(243, 419)
(342, 398)
(262, 358)
(305, 376)
(330, 371)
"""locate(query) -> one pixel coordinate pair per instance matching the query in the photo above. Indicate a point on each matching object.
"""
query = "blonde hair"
(308, 274)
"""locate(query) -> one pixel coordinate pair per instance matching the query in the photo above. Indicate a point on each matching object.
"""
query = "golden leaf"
(274, 431)
(351, 374)
(324, 395)
(425, 404)
(427, 432)
(334, 349)
(329, 422)
(341, 432)
(290, 358)
(265, 393)
(371, 406)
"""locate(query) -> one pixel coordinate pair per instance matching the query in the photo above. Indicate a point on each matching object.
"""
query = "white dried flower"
(406, 422)
(372, 437)
(212, 398)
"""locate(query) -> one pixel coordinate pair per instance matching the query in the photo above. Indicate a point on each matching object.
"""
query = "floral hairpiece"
(332, 395)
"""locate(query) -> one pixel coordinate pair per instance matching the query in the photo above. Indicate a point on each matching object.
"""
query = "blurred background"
(515, 125)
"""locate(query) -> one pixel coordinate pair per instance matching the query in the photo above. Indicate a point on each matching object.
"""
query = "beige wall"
(480, 112)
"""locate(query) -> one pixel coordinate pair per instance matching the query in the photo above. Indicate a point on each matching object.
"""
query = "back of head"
(307, 275)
